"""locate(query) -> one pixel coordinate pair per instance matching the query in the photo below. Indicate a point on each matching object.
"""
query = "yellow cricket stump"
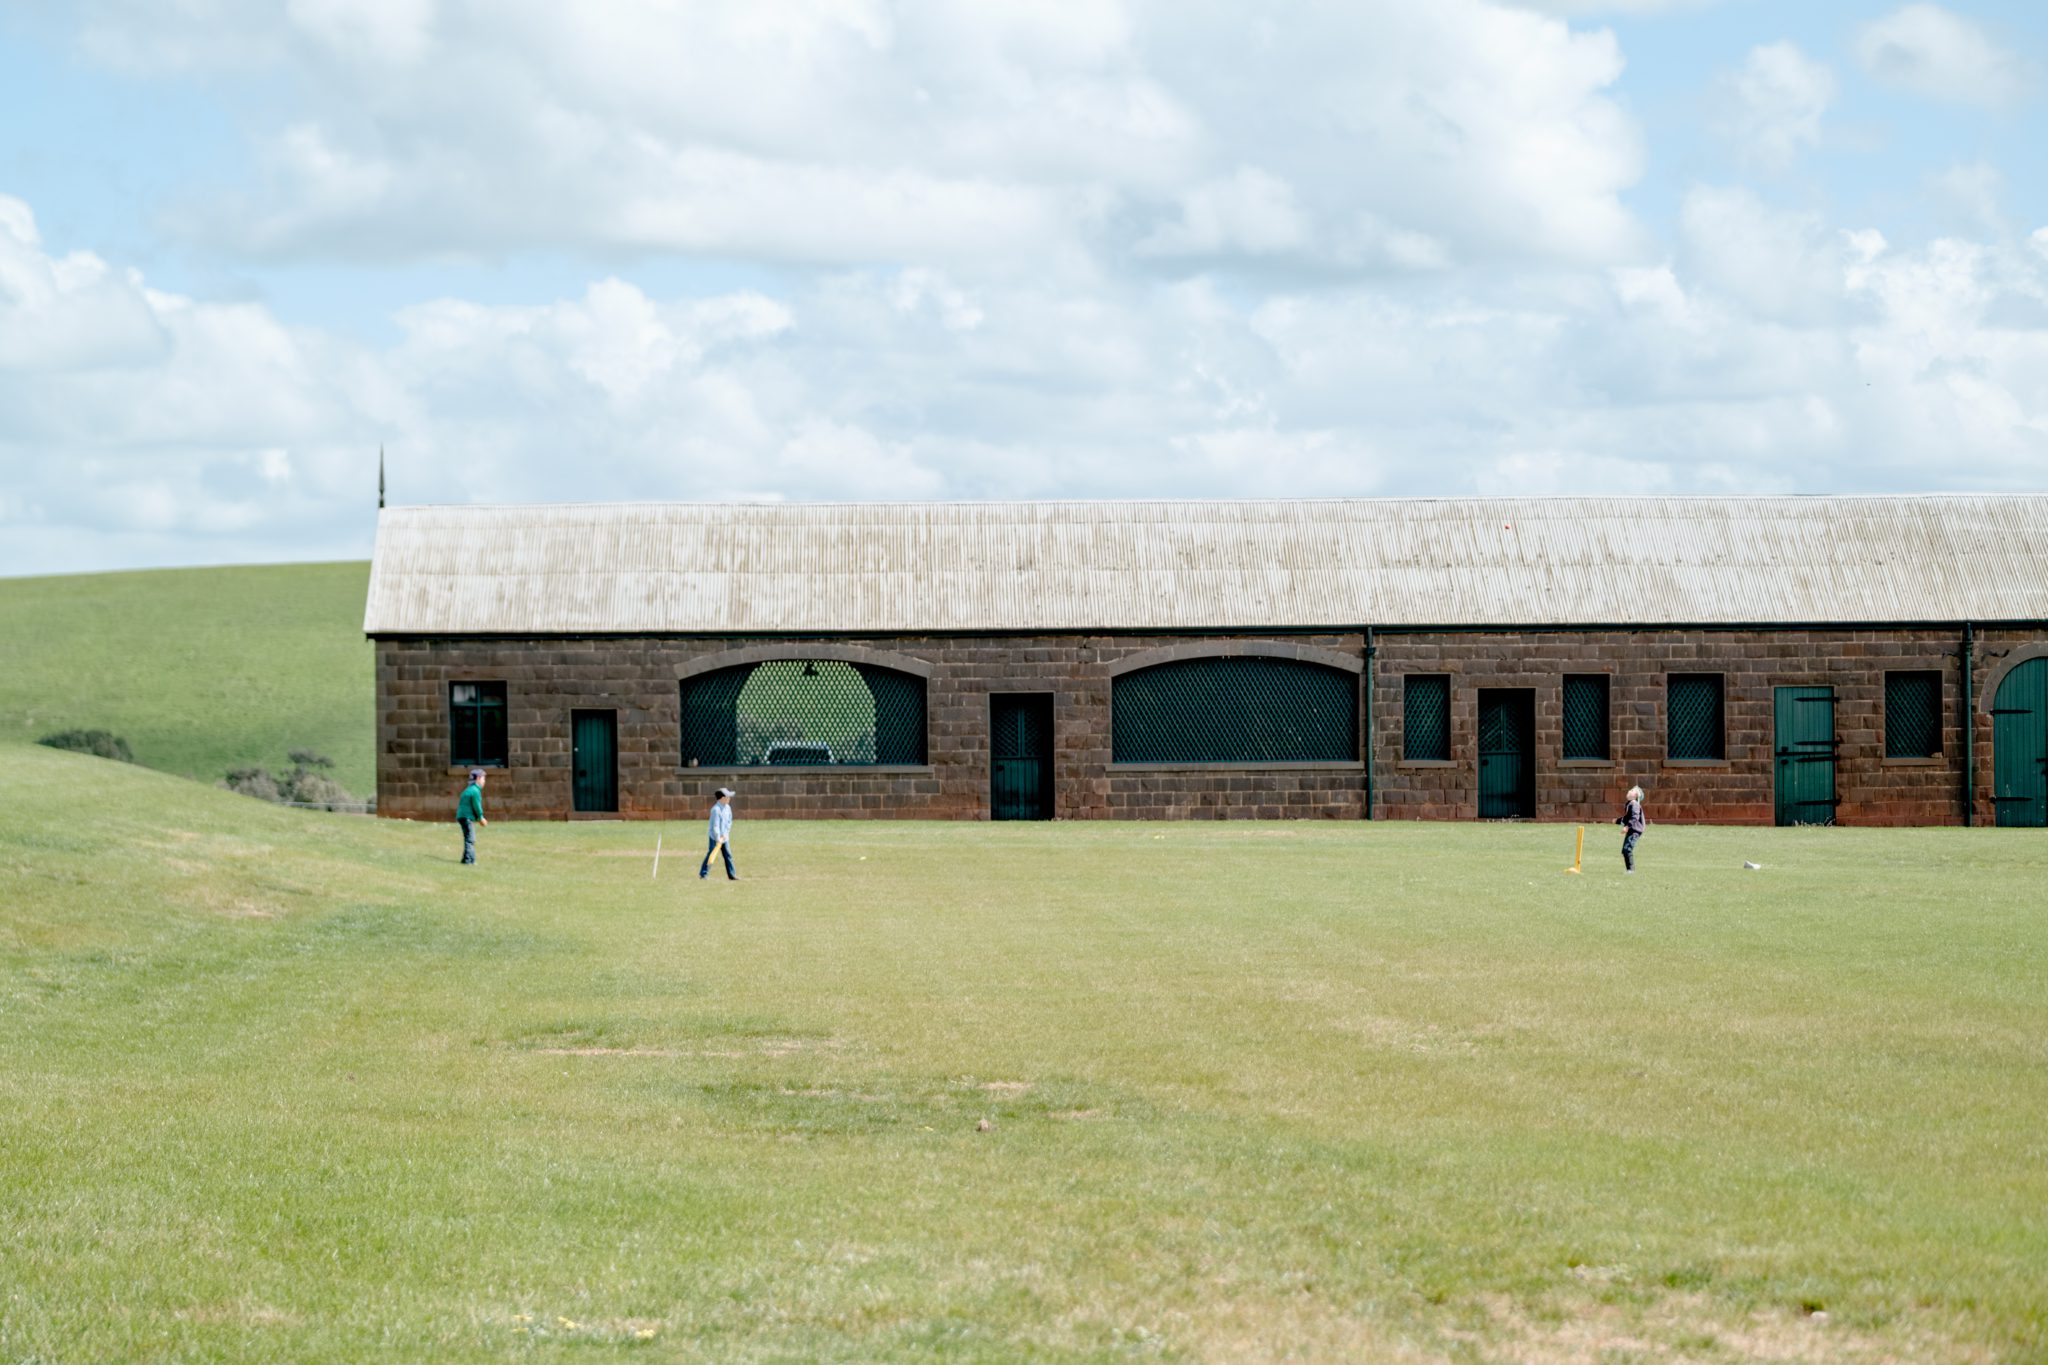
(1579, 858)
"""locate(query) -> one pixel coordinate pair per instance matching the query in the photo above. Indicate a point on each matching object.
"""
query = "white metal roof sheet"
(915, 567)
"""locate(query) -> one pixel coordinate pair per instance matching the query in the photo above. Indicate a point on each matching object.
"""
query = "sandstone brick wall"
(546, 679)
(1871, 789)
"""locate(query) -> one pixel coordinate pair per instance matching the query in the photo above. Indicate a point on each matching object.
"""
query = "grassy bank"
(286, 1086)
(201, 670)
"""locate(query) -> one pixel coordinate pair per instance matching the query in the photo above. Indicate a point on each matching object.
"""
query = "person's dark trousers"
(1628, 850)
(468, 840)
(711, 848)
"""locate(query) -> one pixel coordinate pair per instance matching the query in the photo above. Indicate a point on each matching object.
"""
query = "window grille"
(1912, 715)
(1585, 715)
(476, 724)
(1426, 717)
(1246, 709)
(1695, 716)
(803, 713)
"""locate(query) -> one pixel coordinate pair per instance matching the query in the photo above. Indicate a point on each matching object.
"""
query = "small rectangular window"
(1585, 715)
(476, 724)
(1912, 715)
(1695, 717)
(1426, 717)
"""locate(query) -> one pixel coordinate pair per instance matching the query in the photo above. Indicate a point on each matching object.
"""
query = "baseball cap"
(727, 791)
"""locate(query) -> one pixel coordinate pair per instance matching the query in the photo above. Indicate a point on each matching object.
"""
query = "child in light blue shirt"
(721, 836)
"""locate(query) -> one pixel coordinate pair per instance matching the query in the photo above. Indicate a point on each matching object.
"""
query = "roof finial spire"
(380, 476)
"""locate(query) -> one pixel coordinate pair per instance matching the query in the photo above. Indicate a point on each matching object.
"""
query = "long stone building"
(1867, 661)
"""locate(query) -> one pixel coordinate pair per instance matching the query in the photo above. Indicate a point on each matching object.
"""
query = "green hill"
(200, 670)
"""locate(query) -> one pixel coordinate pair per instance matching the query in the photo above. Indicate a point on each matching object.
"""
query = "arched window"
(803, 713)
(1244, 709)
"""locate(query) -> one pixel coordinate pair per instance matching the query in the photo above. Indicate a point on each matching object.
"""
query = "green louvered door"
(594, 744)
(2019, 746)
(1020, 756)
(1507, 752)
(1805, 753)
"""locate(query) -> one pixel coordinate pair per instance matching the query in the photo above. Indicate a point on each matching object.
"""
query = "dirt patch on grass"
(571, 1045)
(239, 1313)
(1692, 1329)
(1297, 1326)
(1006, 1087)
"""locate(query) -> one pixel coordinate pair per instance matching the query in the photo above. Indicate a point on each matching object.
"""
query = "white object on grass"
(657, 859)
(1753, 867)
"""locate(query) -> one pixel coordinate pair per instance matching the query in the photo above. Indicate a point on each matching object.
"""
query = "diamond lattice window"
(803, 713)
(1235, 710)
(1912, 715)
(1426, 717)
(1585, 716)
(1695, 717)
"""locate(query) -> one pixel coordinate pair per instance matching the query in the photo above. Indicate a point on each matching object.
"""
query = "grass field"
(200, 669)
(290, 1086)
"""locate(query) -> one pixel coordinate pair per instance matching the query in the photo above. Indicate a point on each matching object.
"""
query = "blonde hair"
(1635, 793)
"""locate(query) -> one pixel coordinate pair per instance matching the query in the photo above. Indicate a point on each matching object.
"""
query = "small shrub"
(306, 784)
(97, 742)
(313, 789)
(256, 782)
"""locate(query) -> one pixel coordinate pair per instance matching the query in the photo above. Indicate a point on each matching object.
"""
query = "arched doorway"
(2019, 746)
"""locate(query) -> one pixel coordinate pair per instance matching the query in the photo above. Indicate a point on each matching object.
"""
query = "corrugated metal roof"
(912, 567)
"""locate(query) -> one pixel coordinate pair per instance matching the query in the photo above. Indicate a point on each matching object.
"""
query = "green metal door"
(2019, 746)
(594, 742)
(1507, 751)
(1020, 757)
(1805, 752)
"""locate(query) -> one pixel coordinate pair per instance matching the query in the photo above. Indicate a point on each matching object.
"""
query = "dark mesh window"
(476, 724)
(1912, 715)
(1238, 710)
(1426, 717)
(1694, 716)
(803, 713)
(1585, 715)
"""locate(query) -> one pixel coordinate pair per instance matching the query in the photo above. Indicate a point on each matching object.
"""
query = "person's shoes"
(703, 876)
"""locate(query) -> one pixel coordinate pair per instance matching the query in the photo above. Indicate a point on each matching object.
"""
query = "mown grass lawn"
(280, 1086)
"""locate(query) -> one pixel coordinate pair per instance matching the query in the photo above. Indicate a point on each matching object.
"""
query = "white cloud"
(71, 312)
(853, 131)
(1775, 264)
(1771, 108)
(1934, 52)
(1128, 250)
(1582, 8)
(1972, 191)
(384, 31)
(1772, 352)
(1251, 211)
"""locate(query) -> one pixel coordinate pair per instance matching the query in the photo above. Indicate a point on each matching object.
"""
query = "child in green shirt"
(469, 813)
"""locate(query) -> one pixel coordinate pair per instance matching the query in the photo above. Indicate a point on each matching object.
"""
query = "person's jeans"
(712, 848)
(468, 840)
(1628, 850)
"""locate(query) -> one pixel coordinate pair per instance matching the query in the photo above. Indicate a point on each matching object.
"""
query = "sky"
(863, 250)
